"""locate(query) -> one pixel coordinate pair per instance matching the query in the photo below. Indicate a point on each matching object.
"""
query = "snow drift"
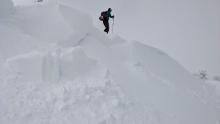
(56, 68)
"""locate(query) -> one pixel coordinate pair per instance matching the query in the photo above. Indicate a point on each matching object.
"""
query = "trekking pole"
(113, 25)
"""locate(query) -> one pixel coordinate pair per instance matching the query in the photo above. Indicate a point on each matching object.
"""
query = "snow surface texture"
(56, 68)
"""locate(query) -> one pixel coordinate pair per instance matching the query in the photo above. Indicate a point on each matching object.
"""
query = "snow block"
(50, 68)
(43, 22)
(74, 63)
(14, 42)
(66, 64)
(28, 67)
(80, 22)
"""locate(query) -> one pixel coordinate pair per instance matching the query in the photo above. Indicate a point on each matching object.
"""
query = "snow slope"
(56, 68)
(172, 26)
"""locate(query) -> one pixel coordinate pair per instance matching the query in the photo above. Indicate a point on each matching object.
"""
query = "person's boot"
(106, 31)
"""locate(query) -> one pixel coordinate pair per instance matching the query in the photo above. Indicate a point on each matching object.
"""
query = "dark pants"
(106, 24)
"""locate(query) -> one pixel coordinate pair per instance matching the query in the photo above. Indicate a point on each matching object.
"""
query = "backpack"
(103, 15)
(101, 18)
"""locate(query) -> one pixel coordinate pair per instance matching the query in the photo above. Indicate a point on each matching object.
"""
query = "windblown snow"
(57, 68)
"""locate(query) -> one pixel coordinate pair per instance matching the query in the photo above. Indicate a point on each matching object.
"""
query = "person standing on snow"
(105, 18)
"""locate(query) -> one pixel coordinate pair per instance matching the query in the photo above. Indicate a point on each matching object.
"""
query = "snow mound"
(43, 22)
(56, 68)
(14, 42)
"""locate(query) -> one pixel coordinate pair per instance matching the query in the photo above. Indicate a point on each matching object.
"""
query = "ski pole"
(113, 25)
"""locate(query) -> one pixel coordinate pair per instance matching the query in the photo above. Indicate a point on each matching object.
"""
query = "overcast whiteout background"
(188, 30)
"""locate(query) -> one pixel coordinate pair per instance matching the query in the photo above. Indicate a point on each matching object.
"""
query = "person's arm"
(111, 16)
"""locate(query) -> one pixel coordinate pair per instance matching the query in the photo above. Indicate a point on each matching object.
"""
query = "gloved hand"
(113, 16)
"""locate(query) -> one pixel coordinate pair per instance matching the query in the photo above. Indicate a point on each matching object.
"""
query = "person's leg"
(106, 24)
(107, 27)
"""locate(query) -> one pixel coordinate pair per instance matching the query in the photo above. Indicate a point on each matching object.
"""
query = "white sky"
(188, 30)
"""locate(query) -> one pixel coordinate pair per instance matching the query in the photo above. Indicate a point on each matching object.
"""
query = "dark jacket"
(107, 15)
